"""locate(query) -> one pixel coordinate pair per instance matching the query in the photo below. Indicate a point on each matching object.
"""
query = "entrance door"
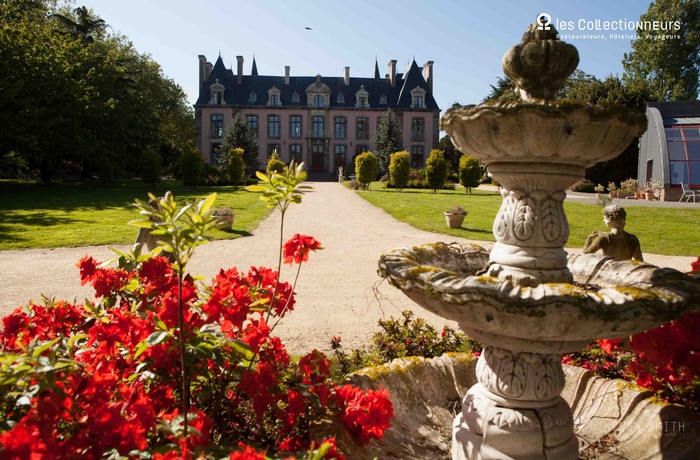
(317, 154)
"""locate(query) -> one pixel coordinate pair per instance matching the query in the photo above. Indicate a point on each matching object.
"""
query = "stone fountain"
(526, 301)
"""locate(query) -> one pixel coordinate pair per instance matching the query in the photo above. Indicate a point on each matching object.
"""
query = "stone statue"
(340, 174)
(616, 243)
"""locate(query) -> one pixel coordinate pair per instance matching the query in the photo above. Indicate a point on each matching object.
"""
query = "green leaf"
(242, 348)
(256, 188)
(207, 204)
(140, 348)
(142, 223)
(157, 337)
(36, 352)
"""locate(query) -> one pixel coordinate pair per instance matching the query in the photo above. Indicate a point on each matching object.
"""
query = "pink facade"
(322, 121)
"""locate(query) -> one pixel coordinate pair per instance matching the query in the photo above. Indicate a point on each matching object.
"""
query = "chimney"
(202, 70)
(428, 74)
(346, 76)
(239, 77)
(392, 72)
(286, 75)
(207, 70)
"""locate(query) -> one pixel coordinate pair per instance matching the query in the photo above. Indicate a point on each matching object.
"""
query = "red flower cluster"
(297, 249)
(366, 412)
(669, 355)
(97, 378)
(665, 360)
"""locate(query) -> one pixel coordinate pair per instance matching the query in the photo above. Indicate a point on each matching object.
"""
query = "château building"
(322, 121)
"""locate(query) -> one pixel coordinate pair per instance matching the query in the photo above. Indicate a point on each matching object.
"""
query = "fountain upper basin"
(570, 133)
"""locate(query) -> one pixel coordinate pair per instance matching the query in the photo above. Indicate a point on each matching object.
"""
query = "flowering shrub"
(665, 359)
(399, 337)
(160, 366)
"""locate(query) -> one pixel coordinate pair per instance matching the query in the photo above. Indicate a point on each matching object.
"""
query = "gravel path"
(338, 294)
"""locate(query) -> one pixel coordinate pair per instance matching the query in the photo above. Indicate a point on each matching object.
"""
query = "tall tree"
(669, 66)
(240, 135)
(389, 139)
(82, 23)
(77, 94)
(503, 91)
(452, 155)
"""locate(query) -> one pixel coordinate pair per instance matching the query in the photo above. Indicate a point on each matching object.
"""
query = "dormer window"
(216, 93)
(273, 96)
(295, 97)
(361, 97)
(382, 99)
(253, 98)
(318, 94)
(341, 98)
(418, 98)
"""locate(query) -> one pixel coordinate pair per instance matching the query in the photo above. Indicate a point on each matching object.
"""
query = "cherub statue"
(616, 243)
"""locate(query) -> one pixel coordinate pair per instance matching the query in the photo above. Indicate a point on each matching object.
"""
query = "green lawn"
(666, 231)
(71, 215)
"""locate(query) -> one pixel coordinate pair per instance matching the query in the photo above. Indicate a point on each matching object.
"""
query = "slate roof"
(678, 112)
(398, 97)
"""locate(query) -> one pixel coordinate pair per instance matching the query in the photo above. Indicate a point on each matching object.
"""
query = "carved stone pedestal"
(515, 411)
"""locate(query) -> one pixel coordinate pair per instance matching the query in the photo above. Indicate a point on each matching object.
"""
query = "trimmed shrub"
(366, 169)
(150, 167)
(191, 167)
(470, 172)
(399, 169)
(275, 164)
(235, 166)
(436, 170)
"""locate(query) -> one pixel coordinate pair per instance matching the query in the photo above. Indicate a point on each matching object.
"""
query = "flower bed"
(161, 366)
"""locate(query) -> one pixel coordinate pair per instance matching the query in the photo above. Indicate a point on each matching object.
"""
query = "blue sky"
(466, 39)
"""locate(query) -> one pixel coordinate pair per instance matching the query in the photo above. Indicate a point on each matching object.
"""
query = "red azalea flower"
(296, 407)
(88, 267)
(247, 453)
(332, 452)
(297, 249)
(315, 366)
(367, 413)
(695, 265)
(609, 345)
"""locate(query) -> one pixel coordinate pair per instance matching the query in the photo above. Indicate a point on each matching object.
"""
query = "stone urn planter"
(224, 217)
(455, 216)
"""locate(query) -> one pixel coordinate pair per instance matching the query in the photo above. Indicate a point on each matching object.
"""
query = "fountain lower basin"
(608, 298)
(516, 409)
